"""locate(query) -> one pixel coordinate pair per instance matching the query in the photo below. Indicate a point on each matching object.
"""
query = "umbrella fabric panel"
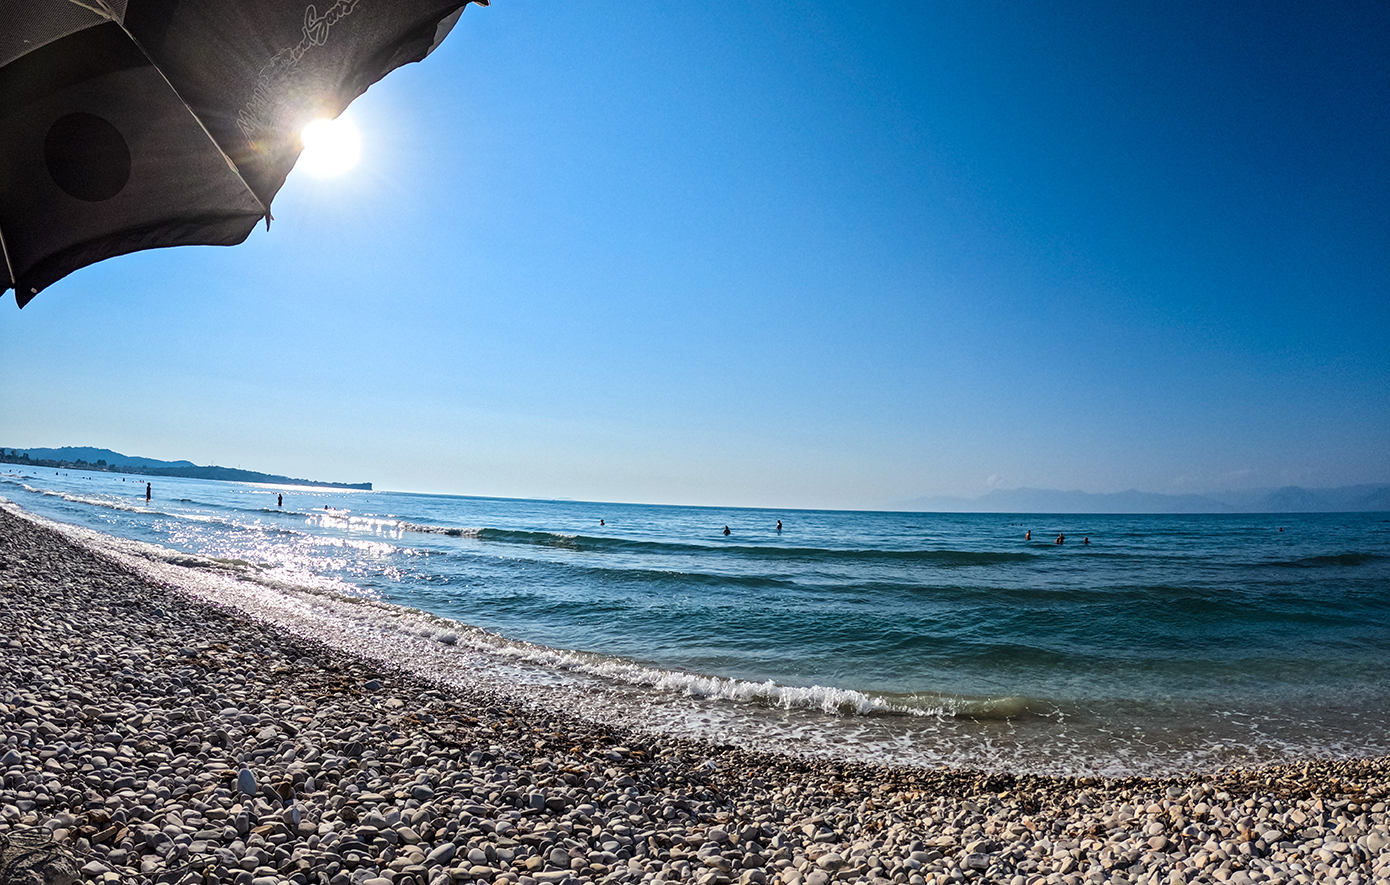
(102, 159)
(32, 24)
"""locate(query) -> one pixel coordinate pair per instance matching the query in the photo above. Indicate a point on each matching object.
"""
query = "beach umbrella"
(135, 124)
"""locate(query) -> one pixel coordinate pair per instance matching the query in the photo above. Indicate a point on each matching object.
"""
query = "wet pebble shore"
(161, 739)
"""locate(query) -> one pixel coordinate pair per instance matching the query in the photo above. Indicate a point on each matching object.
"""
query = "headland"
(151, 467)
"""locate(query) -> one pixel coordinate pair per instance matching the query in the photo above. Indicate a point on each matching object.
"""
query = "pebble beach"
(152, 733)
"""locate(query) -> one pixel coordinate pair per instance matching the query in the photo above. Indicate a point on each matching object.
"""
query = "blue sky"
(786, 254)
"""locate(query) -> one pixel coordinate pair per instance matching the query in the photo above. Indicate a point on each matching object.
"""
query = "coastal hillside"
(105, 460)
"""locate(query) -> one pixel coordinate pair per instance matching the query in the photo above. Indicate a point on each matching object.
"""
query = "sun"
(331, 147)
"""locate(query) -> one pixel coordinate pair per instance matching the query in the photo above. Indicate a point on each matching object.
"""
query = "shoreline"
(803, 649)
(164, 738)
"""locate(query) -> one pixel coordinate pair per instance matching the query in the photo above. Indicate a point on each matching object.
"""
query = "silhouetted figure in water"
(1086, 540)
(601, 522)
(147, 493)
(279, 500)
(779, 525)
(1028, 535)
(1061, 539)
(726, 531)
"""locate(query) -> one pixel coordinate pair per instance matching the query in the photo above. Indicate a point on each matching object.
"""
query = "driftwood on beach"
(156, 737)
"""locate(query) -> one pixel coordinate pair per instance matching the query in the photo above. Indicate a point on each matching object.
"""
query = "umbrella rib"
(9, 268)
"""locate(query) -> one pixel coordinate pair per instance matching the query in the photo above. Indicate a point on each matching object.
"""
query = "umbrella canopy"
(135, 124)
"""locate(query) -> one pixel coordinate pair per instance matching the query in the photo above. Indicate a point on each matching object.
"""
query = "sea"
(1142, 644)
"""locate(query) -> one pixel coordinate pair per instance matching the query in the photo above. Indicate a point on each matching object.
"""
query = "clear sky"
(786, 254)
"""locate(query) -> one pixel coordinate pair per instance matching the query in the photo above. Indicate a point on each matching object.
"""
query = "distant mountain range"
(1289, 499)
(88, 458)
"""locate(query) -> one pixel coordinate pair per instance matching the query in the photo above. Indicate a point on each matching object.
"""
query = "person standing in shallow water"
(726, 531)
(1028, 535)
(147, 493)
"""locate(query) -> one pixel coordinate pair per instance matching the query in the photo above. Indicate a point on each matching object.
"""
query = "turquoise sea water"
(1166, 643)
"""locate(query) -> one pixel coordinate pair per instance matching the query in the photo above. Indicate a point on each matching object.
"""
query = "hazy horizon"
(1072, 501)
(786, 256)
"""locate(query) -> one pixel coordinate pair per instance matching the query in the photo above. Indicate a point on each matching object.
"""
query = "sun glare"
(331, 147)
